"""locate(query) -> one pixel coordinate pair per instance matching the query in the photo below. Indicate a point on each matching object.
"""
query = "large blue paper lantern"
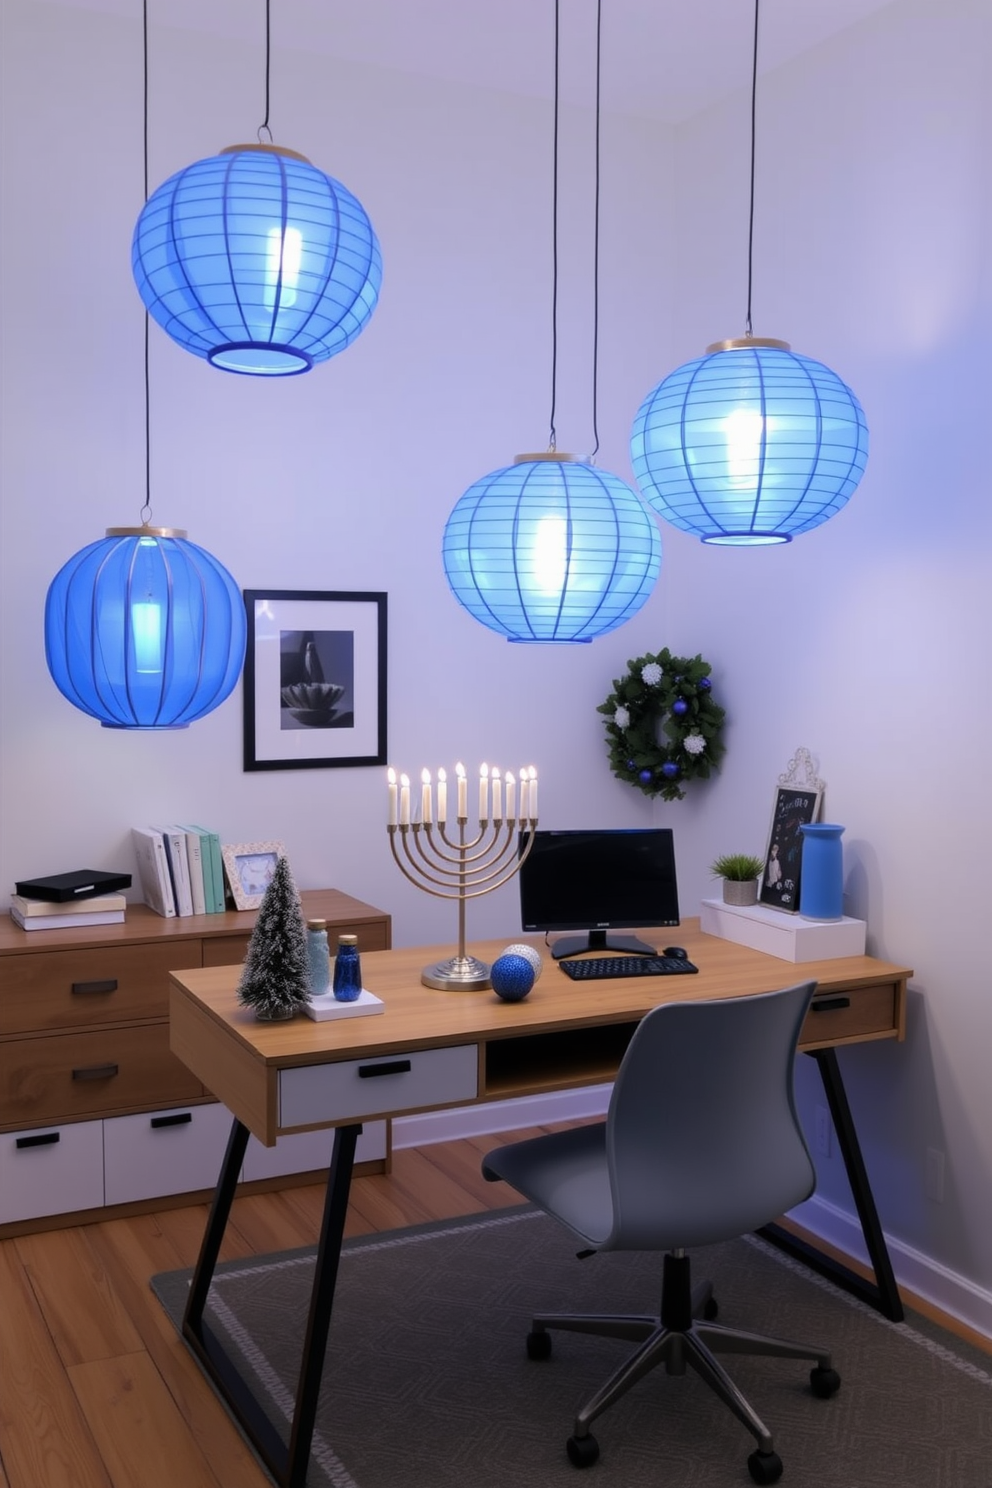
(749, 444)
(257, 260)
(551, 549)
(144, 629)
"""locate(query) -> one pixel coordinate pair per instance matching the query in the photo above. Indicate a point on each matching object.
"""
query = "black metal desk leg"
(220, 1211)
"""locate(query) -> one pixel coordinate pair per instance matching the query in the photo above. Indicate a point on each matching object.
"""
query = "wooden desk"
(431, 1049)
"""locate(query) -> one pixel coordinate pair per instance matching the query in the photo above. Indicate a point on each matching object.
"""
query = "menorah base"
(458, 974)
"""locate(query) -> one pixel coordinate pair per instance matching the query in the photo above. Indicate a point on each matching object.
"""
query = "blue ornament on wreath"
(680, 707)
(512, 977)
(644, 776)
(704, 684)
(670, 770)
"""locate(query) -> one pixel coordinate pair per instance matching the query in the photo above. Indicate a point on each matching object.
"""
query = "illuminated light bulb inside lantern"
(146, 632)
(285, 254)
(549, 554)
(744, 431)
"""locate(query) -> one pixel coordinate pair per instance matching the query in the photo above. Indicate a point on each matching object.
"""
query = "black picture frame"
(314, 679)
(795, 807)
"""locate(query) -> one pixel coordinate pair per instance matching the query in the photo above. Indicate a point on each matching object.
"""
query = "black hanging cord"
(750, 227)
(595, 243)
(268, 70)
(552, 436)
(146, 510)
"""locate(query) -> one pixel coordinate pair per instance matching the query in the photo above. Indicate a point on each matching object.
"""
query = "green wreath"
(662, 725)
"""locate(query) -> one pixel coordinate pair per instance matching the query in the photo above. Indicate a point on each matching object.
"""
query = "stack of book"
(181, 870)
(55, 914)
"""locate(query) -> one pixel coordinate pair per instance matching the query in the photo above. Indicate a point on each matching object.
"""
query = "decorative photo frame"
(248, 868)
(797, 802)
(314, 679)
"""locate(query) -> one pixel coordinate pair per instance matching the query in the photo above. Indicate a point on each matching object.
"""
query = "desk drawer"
(861, 1013)
(107, 984)
(382, 1086)
(73, 1075)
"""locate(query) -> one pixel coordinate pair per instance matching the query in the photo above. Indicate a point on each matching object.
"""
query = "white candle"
(426, 804)
(462, 792)
(533, 794)
(404, 800)
(442, 797)
(497, 796)
(524, 794)
(511, 796)
(391, 779)
(483, 793)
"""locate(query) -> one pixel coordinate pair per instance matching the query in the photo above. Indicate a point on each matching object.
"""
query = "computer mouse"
(676, 952)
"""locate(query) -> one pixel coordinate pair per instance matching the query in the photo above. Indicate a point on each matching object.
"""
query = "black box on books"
(84, 883)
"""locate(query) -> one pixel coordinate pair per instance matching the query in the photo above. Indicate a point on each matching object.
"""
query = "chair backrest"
(703, 1139)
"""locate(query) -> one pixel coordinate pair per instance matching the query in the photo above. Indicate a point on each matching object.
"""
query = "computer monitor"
(598, 882)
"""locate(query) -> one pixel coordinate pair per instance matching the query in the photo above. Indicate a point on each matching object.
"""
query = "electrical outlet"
(823, 1131)
(935, 1175)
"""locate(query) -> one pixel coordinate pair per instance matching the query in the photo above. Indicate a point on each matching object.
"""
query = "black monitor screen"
(597, 882)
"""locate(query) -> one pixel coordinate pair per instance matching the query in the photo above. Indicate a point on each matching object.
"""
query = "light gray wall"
(866, 641)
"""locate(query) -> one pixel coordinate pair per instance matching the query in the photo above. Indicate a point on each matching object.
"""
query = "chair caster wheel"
(583, 1451)
(538, 1344)
(824, 1382)
(765, 1467)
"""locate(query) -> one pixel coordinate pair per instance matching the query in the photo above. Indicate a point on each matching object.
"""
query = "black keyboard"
(591, 968)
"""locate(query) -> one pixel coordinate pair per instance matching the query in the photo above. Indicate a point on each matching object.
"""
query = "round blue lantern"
(551, 549)
(749, 444)
(257, 261)
(144, 629)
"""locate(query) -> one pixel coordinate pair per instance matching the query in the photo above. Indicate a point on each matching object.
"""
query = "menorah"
(463, 866)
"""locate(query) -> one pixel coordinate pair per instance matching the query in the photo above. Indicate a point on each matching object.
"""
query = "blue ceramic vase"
(821, 876)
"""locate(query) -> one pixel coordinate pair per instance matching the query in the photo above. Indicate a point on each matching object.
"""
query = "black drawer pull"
(829, 1004)
(81, 989)
(391, 1067)
(44, 1139)
(95, 1072)
(182, 1118)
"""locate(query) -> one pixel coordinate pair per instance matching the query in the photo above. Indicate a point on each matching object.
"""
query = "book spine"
(175, 848)
(153, 869)
(98, 904)
(212, 840)
(68, 921)
(194, 854)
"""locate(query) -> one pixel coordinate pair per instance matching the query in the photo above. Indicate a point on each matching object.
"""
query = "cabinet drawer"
(51, 1171)
(73, 1075)
(164, 1152)
(305, 1151)
(224, 950)
(381, 1086)
(108, 984)
(836, 1016)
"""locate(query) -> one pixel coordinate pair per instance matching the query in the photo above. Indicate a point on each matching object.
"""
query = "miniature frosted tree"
(276, 977)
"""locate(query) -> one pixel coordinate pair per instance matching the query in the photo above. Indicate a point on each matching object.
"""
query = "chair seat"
(565, 1173)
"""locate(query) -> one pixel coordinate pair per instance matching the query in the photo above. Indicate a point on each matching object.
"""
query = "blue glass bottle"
(347, 969)
(318, 957)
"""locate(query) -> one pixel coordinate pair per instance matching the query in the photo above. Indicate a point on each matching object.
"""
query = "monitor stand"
(600, 940)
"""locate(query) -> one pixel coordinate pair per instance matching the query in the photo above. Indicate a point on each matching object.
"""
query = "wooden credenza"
(95, 1110)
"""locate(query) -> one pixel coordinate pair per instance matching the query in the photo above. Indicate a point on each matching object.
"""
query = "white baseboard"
(500, 1116)
(945, 1289)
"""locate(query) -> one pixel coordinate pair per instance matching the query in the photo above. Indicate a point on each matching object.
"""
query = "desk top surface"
(416, 1016)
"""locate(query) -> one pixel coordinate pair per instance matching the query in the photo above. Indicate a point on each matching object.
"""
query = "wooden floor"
(96, 1389)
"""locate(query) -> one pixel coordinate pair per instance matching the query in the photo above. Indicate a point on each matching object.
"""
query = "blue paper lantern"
(749, 444)
(144, 629)
(257, 260)
(551, 549)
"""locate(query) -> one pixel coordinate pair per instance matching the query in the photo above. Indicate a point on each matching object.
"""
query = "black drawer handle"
(95, 1072)
(828, 1004)
(182, 1118)
(391, 1067)
(81, 989)
(44, 1139)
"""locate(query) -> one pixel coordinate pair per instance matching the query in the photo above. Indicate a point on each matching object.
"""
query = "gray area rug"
(427, 1379)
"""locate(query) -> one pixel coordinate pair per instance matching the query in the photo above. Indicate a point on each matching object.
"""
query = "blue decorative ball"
(670, 769)
(704, 684)
(512, 977)
(645, 776)
(680, 707)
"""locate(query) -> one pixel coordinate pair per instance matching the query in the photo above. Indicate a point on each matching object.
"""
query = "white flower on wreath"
(694, 744)
(652, 674)
(622, 718)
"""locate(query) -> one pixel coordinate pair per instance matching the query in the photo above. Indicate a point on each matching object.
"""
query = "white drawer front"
(53, 1170)
(304, 1151)
(164, 1152)
(380, 1086)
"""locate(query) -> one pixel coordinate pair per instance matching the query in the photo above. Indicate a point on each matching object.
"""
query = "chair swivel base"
(678, 1338)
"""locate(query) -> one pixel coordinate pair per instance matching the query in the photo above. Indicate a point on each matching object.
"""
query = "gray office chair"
(701, 1143)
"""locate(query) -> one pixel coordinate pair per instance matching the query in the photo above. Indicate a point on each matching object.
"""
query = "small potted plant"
(740, 873)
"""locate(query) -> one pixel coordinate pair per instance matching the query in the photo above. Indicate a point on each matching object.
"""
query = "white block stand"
(788, 936)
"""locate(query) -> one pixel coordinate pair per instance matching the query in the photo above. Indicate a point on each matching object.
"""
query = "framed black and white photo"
(314, 680)
(248, 868)
(797, 803)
